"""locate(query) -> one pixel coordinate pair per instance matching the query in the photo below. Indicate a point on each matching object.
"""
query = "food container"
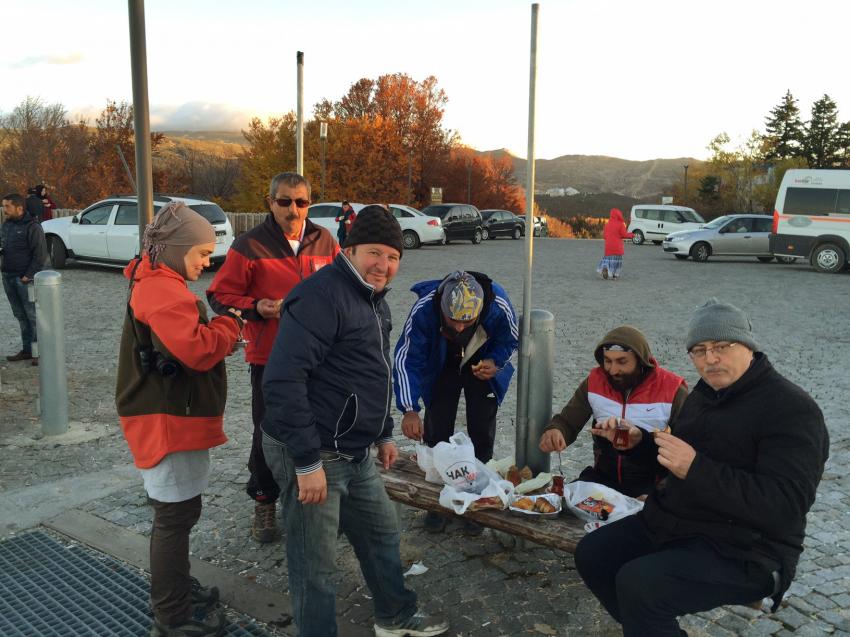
(551, 498)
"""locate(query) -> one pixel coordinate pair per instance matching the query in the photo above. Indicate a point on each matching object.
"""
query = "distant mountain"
(600, 174)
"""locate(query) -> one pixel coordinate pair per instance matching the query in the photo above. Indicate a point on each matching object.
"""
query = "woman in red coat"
(614, 233)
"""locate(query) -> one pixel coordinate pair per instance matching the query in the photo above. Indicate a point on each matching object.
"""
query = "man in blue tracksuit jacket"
(460, 335)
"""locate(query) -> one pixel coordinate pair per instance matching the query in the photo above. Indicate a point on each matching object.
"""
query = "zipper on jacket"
(386, 363)
(189, 401)
(619, 455)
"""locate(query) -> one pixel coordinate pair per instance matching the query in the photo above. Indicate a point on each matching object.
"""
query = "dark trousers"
(481, 408)
(22, 309)
(261, 485)
(171, 588)
(645, 587)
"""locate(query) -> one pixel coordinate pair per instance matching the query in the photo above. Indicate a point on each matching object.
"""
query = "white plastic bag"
(460, 501)
(458, 467)
(425, 460)
(597, 504)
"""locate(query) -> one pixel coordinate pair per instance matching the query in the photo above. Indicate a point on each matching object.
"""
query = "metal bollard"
(538, 393)
(53, 377)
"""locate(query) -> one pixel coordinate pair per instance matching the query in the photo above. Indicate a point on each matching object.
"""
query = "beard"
(625, 382)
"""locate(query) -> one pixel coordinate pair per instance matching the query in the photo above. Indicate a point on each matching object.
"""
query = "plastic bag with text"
(458, 467)
(598, 504)
(425, 460)
(495, 495)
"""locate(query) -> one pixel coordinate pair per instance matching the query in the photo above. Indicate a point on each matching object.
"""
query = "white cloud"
(53, 59)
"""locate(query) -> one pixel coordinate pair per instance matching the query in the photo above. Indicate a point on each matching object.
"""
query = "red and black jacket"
(261, 265)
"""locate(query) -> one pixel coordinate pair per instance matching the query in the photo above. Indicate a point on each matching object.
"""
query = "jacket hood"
(616, 214)
(627, 336)
(139, 269)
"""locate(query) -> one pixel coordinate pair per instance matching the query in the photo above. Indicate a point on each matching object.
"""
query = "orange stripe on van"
(838, 219)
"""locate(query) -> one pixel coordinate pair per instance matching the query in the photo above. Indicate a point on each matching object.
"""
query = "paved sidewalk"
(487, 586)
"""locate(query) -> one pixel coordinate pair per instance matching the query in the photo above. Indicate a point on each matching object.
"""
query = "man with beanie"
(261, 268)
(726, 526)
(327, 388)
(627, 388)
(170, 396)
(460, 335)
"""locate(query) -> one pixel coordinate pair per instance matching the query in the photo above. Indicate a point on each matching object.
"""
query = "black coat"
(327, 384)
(761, 448)
(24, 248)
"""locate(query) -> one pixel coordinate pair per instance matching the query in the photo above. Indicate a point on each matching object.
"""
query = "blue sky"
(630, 79)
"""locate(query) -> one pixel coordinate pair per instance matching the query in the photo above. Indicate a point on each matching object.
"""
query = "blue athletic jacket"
(327, 383)
(421, 351)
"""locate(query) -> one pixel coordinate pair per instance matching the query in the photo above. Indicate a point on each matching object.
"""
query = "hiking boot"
(604, 273)
(419, 624)
(264, 526)
(20, 356)
(472, 528)
(203, 599)
(434, 522)
(212, 625)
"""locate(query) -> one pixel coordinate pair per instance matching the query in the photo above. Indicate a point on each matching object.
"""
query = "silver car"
(731, 235)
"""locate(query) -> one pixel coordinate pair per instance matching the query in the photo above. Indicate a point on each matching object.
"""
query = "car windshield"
(436, 211)
(486, 214)
(716, 223)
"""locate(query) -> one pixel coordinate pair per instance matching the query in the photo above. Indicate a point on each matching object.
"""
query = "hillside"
(600, 174)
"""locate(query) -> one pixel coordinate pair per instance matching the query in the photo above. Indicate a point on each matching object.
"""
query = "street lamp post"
(409, 177)
(323, 137)
(469, 181)
(685, 191)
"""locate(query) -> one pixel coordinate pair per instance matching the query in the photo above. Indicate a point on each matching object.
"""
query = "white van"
(811, 219)
(653, 222)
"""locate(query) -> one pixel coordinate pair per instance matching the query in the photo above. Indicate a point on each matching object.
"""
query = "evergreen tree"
(823, 140)
(784, 130)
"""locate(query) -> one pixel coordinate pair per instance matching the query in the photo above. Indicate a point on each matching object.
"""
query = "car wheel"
(485, 234)
(828, 258)
(476, 238)
(517, 233)
(57, 252)
(765, 259)
(681, 257)
(638, 238)
(701, 251)
(410, 240)
(786, 260)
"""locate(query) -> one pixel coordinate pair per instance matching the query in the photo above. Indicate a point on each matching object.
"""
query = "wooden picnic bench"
(405, 482)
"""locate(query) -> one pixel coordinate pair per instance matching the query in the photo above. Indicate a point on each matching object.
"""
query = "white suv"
(651, 222)
(107, 232)
(416, 228)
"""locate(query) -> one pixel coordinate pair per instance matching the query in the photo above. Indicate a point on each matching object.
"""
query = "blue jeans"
(22, 308)
(358, 503)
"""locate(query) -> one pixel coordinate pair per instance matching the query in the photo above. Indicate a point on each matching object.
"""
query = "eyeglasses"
(285, 202)
(698, 353)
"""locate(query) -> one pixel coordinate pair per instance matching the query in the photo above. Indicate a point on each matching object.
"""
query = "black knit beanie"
(375, 224)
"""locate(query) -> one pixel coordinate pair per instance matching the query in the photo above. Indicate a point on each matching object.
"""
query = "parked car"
(416, 227)
(541, 227)
(731, 235)
(651, 222)
(501, 223)
(107, 232)
(460, 221)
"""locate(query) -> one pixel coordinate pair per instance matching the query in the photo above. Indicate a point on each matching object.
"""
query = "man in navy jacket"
(460, 335)
(327, 388)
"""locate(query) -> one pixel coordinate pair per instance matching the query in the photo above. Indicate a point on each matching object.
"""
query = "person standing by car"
(24, 252)
(47, 203)
(170, 396)
(614, 233)
(328, 397)
(345, 220)
(34, 205)
(261, 268)
(460, 335)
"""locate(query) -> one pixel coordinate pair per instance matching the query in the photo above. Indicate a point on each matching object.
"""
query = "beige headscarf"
(173, 232)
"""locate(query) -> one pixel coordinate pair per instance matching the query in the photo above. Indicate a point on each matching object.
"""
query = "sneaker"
(472, 528)
(203, 599)
(604, 273)
(20, 356)
(417, 625)
(264, 525)
(34, 362)
(434, 522)
(213, 625)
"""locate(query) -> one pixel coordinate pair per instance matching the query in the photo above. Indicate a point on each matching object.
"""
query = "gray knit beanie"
(718, 321)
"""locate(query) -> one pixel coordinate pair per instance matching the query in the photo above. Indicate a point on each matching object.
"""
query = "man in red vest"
(628, 396)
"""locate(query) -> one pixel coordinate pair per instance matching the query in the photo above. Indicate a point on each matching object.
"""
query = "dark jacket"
(420, 353)
(261, 265)
(761, 448)
(24, 246)
(327, 384)
(34, 206)
(653, 404)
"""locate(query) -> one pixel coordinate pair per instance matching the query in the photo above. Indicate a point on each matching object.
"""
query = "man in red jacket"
(261, 268)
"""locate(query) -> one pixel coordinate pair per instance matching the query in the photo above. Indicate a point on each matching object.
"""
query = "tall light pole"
(468, 181)
(323, 136)
(299, 115)
(409, 177)
(685, 191)
(141, 115)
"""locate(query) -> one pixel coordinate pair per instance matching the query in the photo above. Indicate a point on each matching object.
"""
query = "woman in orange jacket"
(170, 398)
(614, 233)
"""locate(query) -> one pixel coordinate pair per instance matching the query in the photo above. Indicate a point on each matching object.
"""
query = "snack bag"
(425, 460)
(458, 467)
(495, 495)
(598, 504)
